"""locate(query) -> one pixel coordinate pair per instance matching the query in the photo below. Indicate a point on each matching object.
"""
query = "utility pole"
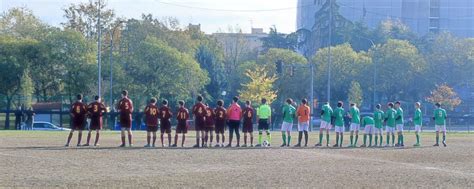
(329, 52)
(99, 46)
(312, 96)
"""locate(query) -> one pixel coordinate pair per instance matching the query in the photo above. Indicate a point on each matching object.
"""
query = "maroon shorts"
(78, 125)
(165, 127)
(126, 121)
(208, 129)
(96, 123)
(151, 128)
(220, 127)
(199, 124)
(182, 127)
(247, 127)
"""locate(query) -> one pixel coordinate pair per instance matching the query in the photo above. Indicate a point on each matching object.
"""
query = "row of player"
(208, 120)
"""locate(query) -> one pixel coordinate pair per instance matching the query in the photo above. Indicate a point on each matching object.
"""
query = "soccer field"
(37, 159)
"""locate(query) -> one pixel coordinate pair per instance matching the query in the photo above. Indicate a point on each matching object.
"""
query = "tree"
(279, 40)
(260, 86)
(213, 64)
(21, 23)
(27, 89)
(393, 29)
(355, 93)
(445, 95)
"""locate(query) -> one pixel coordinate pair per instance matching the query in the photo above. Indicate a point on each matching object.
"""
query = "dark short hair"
(340, 104)
(220, 102)
(235, 99)
(199, 98)
(153, 100)
(164, 102)
(79, 97)
(264, 100)
(96, 97)
(438, 104)
(353, 104)
(247, 102)
(304, 101)
(289, 100)
(397, 102)
(378, 106)
(390, 104)
(181, 103)
(125, 93)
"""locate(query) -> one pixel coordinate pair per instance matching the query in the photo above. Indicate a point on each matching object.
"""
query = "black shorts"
(247, 127)
(78, 126)
(234, 125)
(207, 129)
(151, 128)
(165, 127)
(182, 127)
(263, 124)
(199, 124)
(220, 127)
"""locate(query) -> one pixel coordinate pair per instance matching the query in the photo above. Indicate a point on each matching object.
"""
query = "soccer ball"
(265, 143)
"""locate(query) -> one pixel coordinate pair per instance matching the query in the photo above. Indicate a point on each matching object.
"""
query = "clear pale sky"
(213, 15)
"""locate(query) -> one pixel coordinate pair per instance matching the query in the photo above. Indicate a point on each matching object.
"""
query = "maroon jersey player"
(247, 116)
(78, 113)
(125, 109)
(151, 120)
(220, 119)
(96, 110)
(182, 127)
(199, 112)
(209, 127)
(165, 115)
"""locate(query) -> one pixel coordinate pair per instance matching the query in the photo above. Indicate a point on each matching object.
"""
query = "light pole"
(375, 71)
(99, 45)
(111, 33)
(329, 52)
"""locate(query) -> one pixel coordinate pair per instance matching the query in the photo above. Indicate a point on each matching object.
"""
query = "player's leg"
(336, 130)
(237, 133)
(352, 135)
(300, 134)
(341, 137)
(217, 137)
(356, 134)
(321, 131)
(130, 137)
(176, 138)
(328, 130)
(366, 129)
(198, 135)
(88, 137)
(444, 135)
(148, 138)
(245, 138)
(251, 138)
(211, 133)
(153, 141)
(371, 132)
(162, 132)
(79, 137)
(417, 135)
(97, 136)
(231, 134)
(203, 136)
(122, 136)
(305, 132)
(69, 137)
(283, 133)
(387, 130)
(289, 135)
(168, 132)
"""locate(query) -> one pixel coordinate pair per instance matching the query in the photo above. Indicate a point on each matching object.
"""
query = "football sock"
(130, 139)
(388, 139)
(212, 137)
(365, 138)
(305, 138)
(327, 139)
(289, 139)
(269, 137)
(381, 138)
(300, 136)
(148, 138)
(444, 138)
(175, 139)
(182, 141)
(154, 140)
(161, 138)
(251, 140)
(437, 139)
(320, 138)
(393, 138)
(238, 137)
(417, 139)
(370, 140)
(169, 140)
(245, 139)
(342, 139)
(69, 138)
(260, 137)
(88, 138)
(283, 136)
(337, 139)
(79, 138)
(96, 138)
(123, 140)
(376, 139)
(401, 140)
(356, 138)
(223, 139)
(352, 140)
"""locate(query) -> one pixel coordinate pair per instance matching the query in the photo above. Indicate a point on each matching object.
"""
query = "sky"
(213, 15)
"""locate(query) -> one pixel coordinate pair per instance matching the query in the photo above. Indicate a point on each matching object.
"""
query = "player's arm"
(131, 106)
(71, 111)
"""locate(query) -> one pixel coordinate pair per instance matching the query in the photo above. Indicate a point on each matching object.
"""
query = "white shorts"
(285, 126)
(369, 129)
(417, 128)
(325, 125)
(355, 127)
(440, 128)
(377, 131)
(390, 129)
(303, 126)
(400, 127)
(339, 129)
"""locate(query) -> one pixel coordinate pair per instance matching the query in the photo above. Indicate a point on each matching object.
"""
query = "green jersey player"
(354, 115)
(338, 115)
(390, 116)
(417, 120)
(399, 123)
(440, 123)
(326, 117)
(378, 119)
(289, 113)
(368, 124)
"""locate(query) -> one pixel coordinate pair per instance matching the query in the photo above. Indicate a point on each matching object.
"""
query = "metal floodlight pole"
(99, 45)
(312, 96)
(329, 52)
(111, 73)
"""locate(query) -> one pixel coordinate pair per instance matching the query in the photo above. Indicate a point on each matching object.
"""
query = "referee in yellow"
(264, 119)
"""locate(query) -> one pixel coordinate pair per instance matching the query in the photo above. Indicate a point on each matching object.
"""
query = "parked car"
(47, 126)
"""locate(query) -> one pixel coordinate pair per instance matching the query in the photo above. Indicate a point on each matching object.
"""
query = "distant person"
(151, 121)
(326, 117)
(390, 116)
(354, 115)
(165, 115)
(125, 109)
(220, 118)
(378, 124)
(289, 113)
(440, 123)
(18, 117)
(264, 119)
(338, 115)
(399, 123)
(303, 113)
(199, 114)
(234, 115)
(30, 118)
(418, 122)
(368, 124)
(247, 123)
(209, 127)
(96, 110)
(78, 113)
(182, 127)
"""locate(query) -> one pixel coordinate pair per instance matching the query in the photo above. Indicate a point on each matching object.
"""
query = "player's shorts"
(247, 127)
(355, 127)
(389, 129)
(369, 129)
(285, 126)
(417, 128)
(263, 124)
(199, 124)
(220, 127)
(339, 129)
(325, 125)
(399, 127)
(208, 129)
(440, 128)
(78, 125)
(126, 121)
(182, 127)
(165, 127)
(234, 125)
(151, 128)
(96, 124)
(377, 131)
(303, 126)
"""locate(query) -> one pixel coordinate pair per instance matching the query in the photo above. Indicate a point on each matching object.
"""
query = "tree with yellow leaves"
(260, 86)
(444, 95)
